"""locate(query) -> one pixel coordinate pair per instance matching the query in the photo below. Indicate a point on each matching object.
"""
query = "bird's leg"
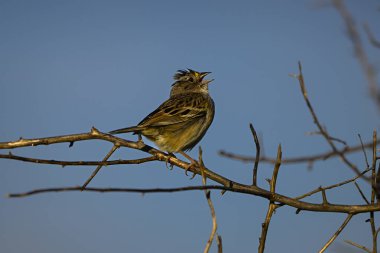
(192, 162)
(170, 155)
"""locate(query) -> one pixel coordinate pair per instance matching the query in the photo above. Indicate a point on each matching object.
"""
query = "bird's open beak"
(203, 74)
(207, 81)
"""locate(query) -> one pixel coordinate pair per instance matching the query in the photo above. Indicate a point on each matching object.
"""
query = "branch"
(113, 189)
(257, 158)
(358, 246)
(373, 193)
(360, 54)
(226, 183)
(300, 159)
(340, 229)
(272, 205)
(220, 244)
(361, 193)
(332, 186)
(210, 204)
(323, 131)
(371, 37)
(11, 156)
(114, 148)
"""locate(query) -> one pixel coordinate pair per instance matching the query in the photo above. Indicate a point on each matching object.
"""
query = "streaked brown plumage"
(180, 122)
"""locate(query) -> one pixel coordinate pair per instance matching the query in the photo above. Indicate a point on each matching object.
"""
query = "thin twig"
(113, 149)
(371, 37)
(332, 138)
(354, 36)
(257, 157)
(300, 159)
(324, 133)
(373, 193)
(210, 204)
(113, 189)
(77, 163)
(332, 186)
(361, 193)
(272, 205)
(220, 243)
(358, 246)
(364, 153)
(340, 229)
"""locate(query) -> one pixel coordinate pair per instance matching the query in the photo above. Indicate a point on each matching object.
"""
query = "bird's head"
(190, 81)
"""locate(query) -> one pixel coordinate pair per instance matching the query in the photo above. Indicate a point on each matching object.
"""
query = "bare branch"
(324, 133)
(340, 229)
(300, 159)
(210, 204)
(373, 193)
(272, 205)
(353, 34)
(364, 153)
(114, 148)
(220, 243)
(371, 37)
(257, 157)
(226, 183)
(361, 193)
(77, 163)
(332, 138)
(113, 189)
(358, 246)
(332, 186)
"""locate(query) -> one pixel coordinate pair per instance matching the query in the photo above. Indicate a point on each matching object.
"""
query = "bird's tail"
(135, 129)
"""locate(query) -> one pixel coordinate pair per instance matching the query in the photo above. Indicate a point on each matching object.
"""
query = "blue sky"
(66, 66)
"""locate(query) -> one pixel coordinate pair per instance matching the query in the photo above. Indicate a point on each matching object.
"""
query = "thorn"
(94, 131)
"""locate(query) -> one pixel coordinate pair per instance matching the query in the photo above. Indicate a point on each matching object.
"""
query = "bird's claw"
(171, 166)
(188, 167)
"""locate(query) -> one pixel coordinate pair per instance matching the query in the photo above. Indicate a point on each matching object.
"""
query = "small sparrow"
(179, 123)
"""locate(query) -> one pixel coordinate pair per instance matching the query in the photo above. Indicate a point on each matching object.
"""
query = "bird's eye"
(191, 79)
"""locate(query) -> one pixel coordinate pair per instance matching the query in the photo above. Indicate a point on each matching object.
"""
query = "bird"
(180, 122)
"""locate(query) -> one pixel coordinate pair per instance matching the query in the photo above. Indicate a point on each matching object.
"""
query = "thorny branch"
(227, 183)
